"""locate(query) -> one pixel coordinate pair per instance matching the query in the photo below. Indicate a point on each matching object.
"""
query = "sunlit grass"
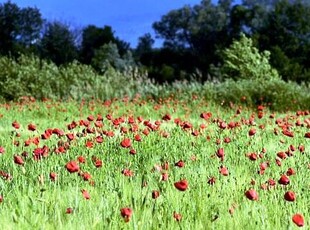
(31, 200)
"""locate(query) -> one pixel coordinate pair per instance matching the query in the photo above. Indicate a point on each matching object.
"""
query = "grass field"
(141, 164)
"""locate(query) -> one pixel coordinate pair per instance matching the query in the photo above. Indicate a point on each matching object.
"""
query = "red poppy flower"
(140, 119)
(282, 155)
(69, 210)
(146, 131)
(284, 180)
(155, 194)
(301, 148)
(251, 194)
(186, 125)
(260, 107)
(72, 167)
(18, 160)
(1, 199)
(271, 182)
(222, 125)
(38, 153)
(292, 148)
(97, 162)
(180, 164)
(181, 185)
(99, 139)
(252, 132)
(206, 115)
(85, 194)
(126, 143)
(177, 216)
(2, 150)
(53, 176)
(195, 133)
(288, 133)
(45, 136)
(86, 176)
(220, 153)
(132, 151)
(90, 118)
(89, 144)
(307, 135)
(98, 124)
(16, 125)
(81, 159)
(126, 213)
(263, 166)
(138, 137)
(89, 130)
(298, 219)
(164, 176)
(290, 172)
(124, 130)
(131, 120)
(227, 140)
(58, 132)
(166, 117)
(224, 171)
(60, 149)
(290, 196)
(127, 172)
(70, 136)
(32, 127)
(252, 156)
(212, 181)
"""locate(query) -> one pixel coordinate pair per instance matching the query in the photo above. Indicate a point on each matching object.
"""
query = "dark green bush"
(276, 93)
(30, 76)
(243, 61)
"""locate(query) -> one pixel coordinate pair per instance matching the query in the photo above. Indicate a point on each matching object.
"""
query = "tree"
(19, 28)
(175, 28)
(94, 37)
(57, 43)
(197, 31)
(108, 56)
(286, 34)
(145, 44)
(144, 50)
(243, 61)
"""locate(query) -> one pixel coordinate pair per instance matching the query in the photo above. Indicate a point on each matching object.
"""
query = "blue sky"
(129, 19)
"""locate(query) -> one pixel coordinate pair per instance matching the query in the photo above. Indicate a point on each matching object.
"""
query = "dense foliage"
(194, 37)
(30, 76)
(255, 50)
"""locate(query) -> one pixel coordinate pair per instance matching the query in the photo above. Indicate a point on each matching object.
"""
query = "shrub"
(243, 61)
(30, 76)
(276, 93)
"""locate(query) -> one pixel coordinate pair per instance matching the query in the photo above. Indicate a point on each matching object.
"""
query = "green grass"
(33, 203)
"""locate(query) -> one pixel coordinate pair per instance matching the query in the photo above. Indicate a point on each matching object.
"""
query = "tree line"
(195, 38)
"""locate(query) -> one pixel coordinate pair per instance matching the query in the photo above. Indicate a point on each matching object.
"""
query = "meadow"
(142, 163)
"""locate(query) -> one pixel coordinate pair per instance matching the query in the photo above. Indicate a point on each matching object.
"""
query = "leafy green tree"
(94, 37)
(19, 28)
(287, 34)
(197, 32)
(122, 46)
(145, 44)
(243, 61)
(108, 56)
(58, 43)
